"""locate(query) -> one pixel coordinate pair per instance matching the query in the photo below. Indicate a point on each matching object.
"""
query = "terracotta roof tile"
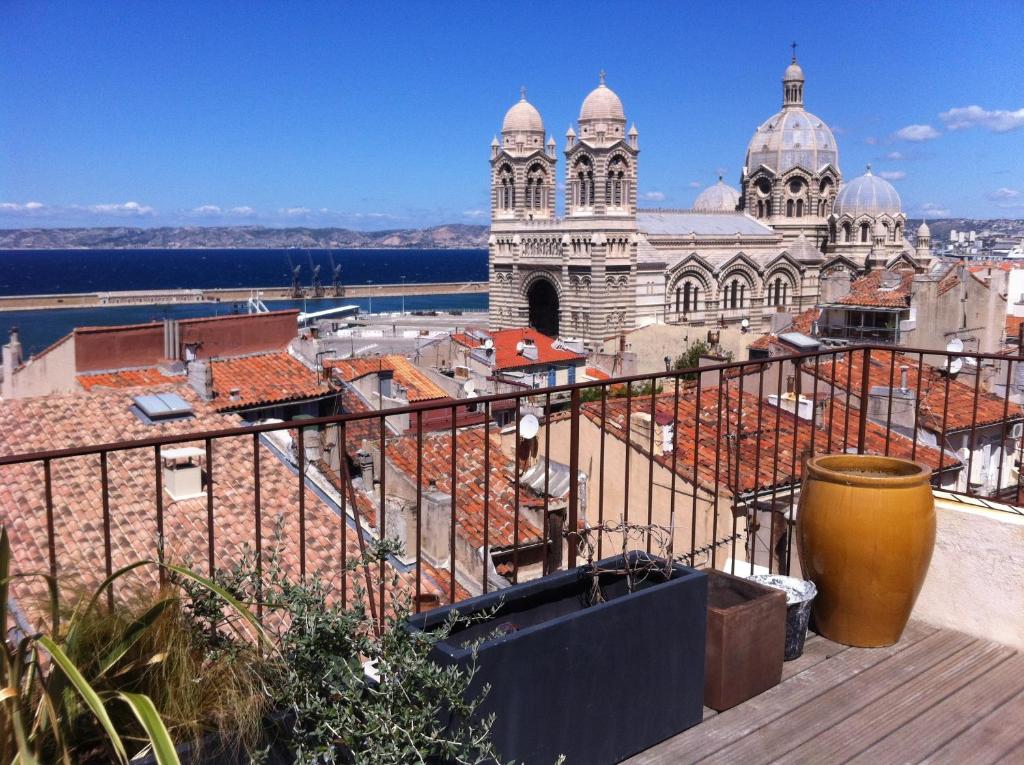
(52, 422)
(265, 378)
(469, 479)
(507, 357)
(418, 386)
(771, 440)
(123, 378)
(868, 291)
(933, 407)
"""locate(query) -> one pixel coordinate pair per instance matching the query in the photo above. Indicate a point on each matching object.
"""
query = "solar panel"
(163, 406)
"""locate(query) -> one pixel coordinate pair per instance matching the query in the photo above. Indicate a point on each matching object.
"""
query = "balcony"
(712, 458)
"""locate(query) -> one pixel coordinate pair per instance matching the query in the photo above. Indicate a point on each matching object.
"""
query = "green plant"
(416, 711)
(620, 391)
(105, 683)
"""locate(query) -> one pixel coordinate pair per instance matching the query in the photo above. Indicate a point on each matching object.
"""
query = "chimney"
(903, 379)
(200, 378)
(364, 461)
(11, 361)
(900, 411)
(384, 380)
(664, 440)
(801, 406)
(235, 394)
(640, 429)
(172, 339)
(182, 474)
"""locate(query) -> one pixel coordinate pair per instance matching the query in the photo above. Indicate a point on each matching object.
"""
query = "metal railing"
(715, 455)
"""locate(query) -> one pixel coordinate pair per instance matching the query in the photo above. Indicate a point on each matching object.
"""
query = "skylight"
(161, 407)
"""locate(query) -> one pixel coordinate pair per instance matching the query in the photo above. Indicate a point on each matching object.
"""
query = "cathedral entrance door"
(543, 302)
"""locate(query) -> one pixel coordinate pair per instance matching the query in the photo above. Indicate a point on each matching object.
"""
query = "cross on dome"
(793, 46)
(601, 76)
(522, 92)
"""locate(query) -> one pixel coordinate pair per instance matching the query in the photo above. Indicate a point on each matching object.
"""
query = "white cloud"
(917, 133)
(1003, 193)
(871, 141)
(653, 196)
(932, 210)
(295, 211)
(130, 209)
(895, 156)
(207, 210)
(28, 207)
(695, 185)
(893, 175)
(242, 211)
(474, 213)
(996, 120)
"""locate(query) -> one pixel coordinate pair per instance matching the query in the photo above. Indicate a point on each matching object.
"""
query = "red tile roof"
(1013, 324)
(803, 323)
(506, 356)
(418, 386)
(123, 378)
(469, 481)
(51, 422)
(961, 402)
(596, 374)
(266, 378)
(771, 445)
(867, 291)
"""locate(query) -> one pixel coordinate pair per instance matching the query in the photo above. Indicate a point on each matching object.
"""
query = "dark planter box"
(746, 640)
(597, 683)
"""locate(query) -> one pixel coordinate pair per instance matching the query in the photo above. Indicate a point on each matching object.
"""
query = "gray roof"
(867, 195)
(685, 222)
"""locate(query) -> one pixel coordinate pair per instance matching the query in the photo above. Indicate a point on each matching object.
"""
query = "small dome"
(793, 72)
(602, 105)
(867, 195)
(923, 230)
(718, 198)
(522, 117)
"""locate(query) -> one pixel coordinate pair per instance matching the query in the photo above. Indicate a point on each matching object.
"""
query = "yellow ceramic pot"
(865, 533)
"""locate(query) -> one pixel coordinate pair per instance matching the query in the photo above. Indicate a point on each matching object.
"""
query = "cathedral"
(606, 265)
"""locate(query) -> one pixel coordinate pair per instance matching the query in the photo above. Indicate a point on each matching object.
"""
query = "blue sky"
(379, 115)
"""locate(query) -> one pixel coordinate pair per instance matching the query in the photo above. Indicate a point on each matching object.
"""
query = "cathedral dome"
(867, 195)
(923, 230)
(602, 104)
(792, 136)
(522, 117)
(718, 198)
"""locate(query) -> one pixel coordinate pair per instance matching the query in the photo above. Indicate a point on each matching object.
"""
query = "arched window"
(864, 232)
(789, 208)
(584, 196)
(732, 294)
(678, 291)
(743, 293)
(506, 188)
(799, 208)
(768, 208)
(785, 296)
(897, 232)
(847, 233)
(760, 209)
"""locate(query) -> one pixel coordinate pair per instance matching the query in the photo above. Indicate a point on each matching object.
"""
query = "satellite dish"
(469, 387)
(529, 426)
(954, 363)
(488, 344)
(745, 323)
(519, 347)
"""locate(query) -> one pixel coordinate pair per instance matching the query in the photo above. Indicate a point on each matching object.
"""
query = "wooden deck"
(937, 696)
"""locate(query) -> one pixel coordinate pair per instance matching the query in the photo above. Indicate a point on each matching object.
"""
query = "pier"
(230, 295)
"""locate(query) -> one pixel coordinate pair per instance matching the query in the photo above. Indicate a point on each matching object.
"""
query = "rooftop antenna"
(296, 291)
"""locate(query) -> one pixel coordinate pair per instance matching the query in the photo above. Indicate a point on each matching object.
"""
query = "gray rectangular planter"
(597, 683)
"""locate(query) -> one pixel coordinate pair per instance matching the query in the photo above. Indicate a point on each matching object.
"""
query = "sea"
(34, 272)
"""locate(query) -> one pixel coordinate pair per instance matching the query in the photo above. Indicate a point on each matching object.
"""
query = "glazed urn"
(865, 533)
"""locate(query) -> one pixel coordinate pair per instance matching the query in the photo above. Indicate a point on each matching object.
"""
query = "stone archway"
(543, 301)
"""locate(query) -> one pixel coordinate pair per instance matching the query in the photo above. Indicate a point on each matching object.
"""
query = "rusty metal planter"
(746, 637)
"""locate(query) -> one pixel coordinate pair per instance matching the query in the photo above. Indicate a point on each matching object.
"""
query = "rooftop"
(509, 345)
(686, 222)
(418, 386)
(263, 379)
(868, 290)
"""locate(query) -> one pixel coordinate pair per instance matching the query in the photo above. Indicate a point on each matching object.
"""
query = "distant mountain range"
(454, 236)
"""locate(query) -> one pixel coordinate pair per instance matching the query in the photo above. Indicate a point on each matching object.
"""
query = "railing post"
(574, 466)
(865, 382)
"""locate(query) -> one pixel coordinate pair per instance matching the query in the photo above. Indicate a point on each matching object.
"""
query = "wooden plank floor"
(937, 696)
